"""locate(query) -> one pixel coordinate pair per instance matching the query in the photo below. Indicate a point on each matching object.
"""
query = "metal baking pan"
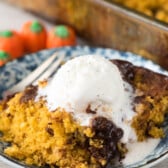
(107, 24)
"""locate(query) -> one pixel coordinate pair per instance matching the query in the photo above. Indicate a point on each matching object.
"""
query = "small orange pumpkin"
(11, 42)
(4, 57)
(61, 36)
(34, 36)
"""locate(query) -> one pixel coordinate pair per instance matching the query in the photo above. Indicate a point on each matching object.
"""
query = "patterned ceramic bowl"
(16, 70)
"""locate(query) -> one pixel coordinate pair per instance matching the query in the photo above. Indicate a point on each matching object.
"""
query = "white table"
(12, 18)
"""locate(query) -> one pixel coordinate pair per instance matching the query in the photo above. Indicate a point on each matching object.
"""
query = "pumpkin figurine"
(4, 58)
(61, 36)
(34, 36)
(11, 43)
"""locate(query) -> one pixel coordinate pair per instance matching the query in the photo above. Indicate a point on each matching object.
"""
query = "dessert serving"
(93, 113)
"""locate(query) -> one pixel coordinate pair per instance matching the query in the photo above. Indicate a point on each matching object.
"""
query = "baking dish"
(107, 24)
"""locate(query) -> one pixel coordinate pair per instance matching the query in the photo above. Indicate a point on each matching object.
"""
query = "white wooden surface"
(12, 18)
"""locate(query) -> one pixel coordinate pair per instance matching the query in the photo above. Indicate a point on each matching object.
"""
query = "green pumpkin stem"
(6, 33)
(61, 31)
(36, 27)
(4, 55)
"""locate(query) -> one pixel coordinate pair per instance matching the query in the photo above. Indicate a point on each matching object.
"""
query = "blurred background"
(136, 26)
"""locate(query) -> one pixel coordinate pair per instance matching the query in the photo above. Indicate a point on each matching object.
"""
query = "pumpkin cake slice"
(150, 101)
(86, 116)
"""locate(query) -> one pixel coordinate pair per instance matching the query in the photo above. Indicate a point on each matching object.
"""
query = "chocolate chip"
(50, 131)
(89, 111)
(107, 132)
(29, 94)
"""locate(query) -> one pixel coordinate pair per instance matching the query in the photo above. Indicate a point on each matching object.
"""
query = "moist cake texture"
(151, 100)
(41, 137)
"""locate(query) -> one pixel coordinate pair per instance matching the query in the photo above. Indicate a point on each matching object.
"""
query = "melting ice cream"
(96, 83)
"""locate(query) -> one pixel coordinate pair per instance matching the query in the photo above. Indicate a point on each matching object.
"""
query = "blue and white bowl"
(16, 70)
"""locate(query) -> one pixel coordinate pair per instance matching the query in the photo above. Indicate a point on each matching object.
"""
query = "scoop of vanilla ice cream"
(84, 80)
(93, 82)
